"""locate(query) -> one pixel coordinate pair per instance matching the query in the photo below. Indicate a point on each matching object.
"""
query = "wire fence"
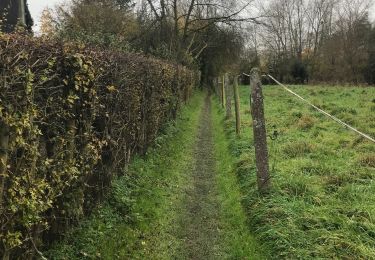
(259, 129)
(366, 136)
(337, 120)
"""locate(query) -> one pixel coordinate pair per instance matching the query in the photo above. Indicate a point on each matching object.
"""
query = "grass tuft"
(367, 160)
(295, 149)
(305, 122)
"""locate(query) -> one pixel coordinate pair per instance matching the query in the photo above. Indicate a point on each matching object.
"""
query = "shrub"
(70, 119)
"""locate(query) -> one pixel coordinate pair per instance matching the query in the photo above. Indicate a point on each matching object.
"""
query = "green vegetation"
(322, 203)
(146, 214)
(240, 242)
(137, 219)
(71, 118)
(80, 103)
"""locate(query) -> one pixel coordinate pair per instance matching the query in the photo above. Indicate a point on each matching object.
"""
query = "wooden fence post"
(237, 105)
(223, 91)
(260, 135)
(217, 86)
(214, 86)
(228, 97)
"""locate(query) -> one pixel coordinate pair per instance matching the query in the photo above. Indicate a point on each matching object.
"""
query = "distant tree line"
(316, 40)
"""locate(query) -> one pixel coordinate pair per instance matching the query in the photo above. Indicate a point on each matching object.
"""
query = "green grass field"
(322, 204)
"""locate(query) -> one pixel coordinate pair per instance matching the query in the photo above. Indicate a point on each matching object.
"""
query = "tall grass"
(322, 204)
(240, 243)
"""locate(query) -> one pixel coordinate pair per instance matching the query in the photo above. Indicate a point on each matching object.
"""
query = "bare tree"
(190, 17)
(322, 37)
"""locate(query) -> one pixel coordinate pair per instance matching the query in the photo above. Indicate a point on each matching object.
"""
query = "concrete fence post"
(260, 135)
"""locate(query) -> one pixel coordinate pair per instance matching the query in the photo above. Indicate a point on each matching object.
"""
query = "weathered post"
(237, 105)
(217, 86)
(259, 129)
(223, 91)
(228, 98)
(214, 82)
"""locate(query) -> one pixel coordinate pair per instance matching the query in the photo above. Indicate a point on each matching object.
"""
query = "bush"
(70, 119)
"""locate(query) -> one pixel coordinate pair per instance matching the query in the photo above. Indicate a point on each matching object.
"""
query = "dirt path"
(201, 223)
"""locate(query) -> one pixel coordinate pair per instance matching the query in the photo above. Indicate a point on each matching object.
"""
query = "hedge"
(70, 120)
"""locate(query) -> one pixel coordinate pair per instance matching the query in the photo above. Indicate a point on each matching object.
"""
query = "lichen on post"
(259, 129)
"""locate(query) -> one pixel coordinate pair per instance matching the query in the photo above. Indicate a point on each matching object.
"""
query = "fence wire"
(321, 110)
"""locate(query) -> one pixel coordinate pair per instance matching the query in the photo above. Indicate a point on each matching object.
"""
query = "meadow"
(322, 203)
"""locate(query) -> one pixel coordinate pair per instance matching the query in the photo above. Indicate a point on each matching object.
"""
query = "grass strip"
(137, 219)
(239, 242)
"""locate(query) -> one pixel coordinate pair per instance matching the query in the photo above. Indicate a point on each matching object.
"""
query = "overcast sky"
(37, 6)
